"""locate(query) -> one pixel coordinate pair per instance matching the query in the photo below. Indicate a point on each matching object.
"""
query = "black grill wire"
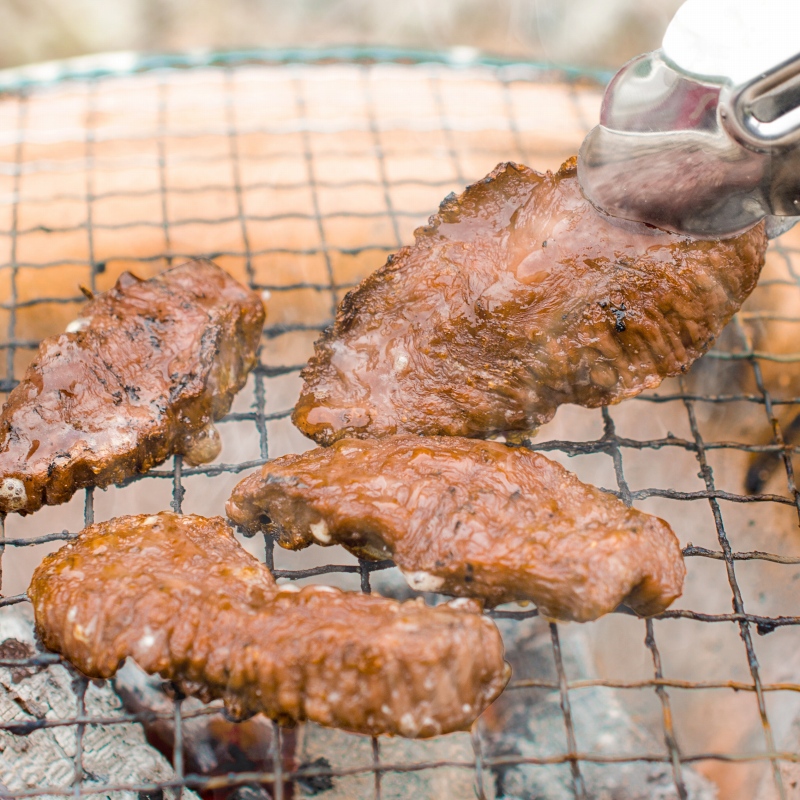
(610, 444)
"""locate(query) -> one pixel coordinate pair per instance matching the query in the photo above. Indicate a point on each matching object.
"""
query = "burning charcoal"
(312, 783)
(345, 751)
(38, 758)
(212, 744)
(529, 723)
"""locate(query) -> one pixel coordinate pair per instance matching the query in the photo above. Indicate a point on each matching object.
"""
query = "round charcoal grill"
(299, 173)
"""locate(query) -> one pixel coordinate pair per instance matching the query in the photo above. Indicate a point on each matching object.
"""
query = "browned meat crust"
(517, 297)
(148, 368)
(182, 598)
(469, 518)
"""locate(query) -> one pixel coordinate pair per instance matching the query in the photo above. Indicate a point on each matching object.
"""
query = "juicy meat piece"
(469, 518)
(142, 374)
(182, 598)
(517, 297)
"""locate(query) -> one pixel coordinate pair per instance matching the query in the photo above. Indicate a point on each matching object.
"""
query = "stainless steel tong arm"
(691, 139)
(764, 113)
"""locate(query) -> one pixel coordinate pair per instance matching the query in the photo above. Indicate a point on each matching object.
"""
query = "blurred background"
(585, 33)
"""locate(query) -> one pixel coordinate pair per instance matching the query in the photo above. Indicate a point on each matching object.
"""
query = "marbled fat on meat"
(142, 374)
(517, 297)
(181, 597)
(469, 518)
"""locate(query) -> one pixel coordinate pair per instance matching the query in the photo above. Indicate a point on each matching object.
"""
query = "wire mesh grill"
(300, 180)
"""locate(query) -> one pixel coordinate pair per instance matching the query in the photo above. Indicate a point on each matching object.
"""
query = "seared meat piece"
(182, 598)
(517, 297)
(142, 374)
(469, 518)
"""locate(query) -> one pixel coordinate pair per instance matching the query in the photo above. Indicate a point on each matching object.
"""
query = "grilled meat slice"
(142, 374)
(181, 597)
(517, 297)
(469, 518)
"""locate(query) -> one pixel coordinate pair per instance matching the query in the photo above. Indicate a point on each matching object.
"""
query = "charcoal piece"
(43, 758)
(529, 723)
(212, 744)
(346, 752)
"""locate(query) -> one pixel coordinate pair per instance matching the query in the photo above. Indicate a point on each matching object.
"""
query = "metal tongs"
(695, 155)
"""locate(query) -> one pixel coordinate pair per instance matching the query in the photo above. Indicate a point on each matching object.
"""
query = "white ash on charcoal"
(325, 748)
(529, 723)
(42, 758)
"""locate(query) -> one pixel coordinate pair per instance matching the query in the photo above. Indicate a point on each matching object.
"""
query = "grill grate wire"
(330, 283)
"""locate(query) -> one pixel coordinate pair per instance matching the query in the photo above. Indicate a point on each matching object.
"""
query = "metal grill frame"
(23, 82)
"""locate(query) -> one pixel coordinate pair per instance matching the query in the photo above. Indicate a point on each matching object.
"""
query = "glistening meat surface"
(517, 297)
(469, 518)
(181, 597)
(144, 373)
